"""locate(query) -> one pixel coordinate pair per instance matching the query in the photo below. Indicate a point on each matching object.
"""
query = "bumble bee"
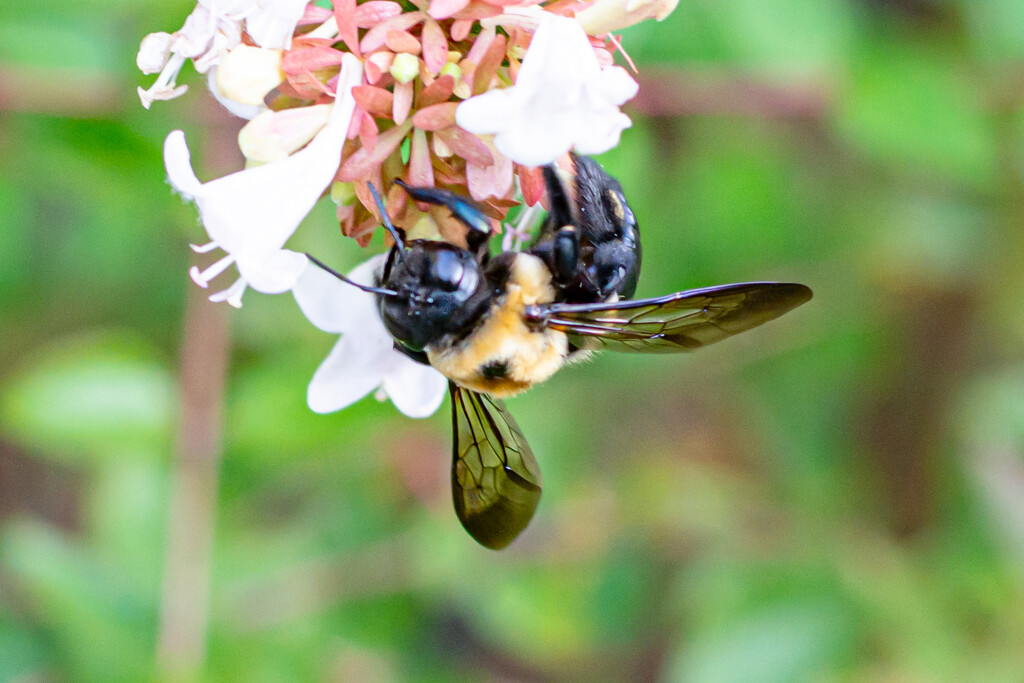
(496, 325)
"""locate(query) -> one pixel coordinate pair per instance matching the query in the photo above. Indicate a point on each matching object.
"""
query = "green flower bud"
(451, 69)
(405, 67)
(343, 194)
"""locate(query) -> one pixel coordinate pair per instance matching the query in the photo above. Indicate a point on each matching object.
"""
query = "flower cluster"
(470, 95)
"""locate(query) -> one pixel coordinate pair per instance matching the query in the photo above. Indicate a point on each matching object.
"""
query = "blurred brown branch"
(181, 643)
(184, 615)
(674, 91)
(34, 90)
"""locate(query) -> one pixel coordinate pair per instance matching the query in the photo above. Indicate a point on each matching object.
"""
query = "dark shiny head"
(441, 292)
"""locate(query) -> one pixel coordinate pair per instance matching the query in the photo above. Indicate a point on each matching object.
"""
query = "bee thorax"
(504, 356)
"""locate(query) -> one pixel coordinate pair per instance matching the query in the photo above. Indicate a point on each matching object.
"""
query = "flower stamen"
(204, 248)
(203, 278)
(522, 230)
(233, 294)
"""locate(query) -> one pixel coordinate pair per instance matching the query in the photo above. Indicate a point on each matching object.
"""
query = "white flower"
(214, 28)
(242, 111)
(164, 88)
(154, 52)
(246, 74)
(273, 135)
(250, 214)
(364, 358)
(562, 100)
(271, 23)
(605, 16)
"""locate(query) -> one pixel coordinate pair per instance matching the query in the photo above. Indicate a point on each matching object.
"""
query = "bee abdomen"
(495, 369)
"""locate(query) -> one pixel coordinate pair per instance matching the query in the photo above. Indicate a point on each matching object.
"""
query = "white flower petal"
(259, 208)
(252, 213)
(562, 99)
(242, 111)
(213, 29)
(196, 34)
(616, 85)
(227, 36)
(538, 137)
(351, 371)
(274, 273)
(605, 16)
(365, 358)
(154, 51)
(603, 134)
(559, 50)
(177, 161)
(273, 24)
(273, 135)
(246, 74)
(336, 306)
(488, 113)
(417, 390)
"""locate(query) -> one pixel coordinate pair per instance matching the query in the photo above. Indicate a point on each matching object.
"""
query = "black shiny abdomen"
(594, 229)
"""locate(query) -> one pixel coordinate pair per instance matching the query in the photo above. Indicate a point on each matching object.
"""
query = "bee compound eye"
(447, 270)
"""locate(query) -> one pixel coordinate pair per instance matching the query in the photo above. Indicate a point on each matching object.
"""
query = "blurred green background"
(838, 496)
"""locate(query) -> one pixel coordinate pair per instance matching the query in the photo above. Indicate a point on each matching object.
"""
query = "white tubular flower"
(246, 74)
(605, 16)
(164, 88)
(364, 359)
(271, 23)
(154, 52)
(562, 100)
(250, 214)
(214, 28)
(242, 111)
(273, 135)
(205, 35)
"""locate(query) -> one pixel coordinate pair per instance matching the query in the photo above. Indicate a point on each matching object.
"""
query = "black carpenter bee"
(496, 325)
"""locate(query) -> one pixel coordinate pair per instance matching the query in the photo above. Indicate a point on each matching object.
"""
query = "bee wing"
(495, 478)
(683, 321)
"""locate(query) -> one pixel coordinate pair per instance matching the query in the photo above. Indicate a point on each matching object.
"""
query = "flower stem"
(184, 614)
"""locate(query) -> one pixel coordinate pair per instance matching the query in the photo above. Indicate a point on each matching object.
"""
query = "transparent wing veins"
(495, 478)
(683, 321)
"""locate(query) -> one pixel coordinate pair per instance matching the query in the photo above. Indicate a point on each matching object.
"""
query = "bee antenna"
(383, 291)
(386, 220)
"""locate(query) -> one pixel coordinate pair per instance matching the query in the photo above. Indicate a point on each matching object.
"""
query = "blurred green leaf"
(22, 654)
(914, 106)
(21, 41)
(102, 631)
(996, 28)
(790, 641)
(127, 517)
(91, 395)
(14, 256)
(794, 37)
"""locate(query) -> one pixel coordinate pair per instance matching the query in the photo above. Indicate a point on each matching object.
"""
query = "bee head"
(439, 291)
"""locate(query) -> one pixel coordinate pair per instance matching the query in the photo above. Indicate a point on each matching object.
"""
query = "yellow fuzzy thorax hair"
(503, 340)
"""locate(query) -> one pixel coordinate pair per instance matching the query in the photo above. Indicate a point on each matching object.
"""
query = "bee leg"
(561, 254)
(565, 254)
(559, 201)
(463, 210)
